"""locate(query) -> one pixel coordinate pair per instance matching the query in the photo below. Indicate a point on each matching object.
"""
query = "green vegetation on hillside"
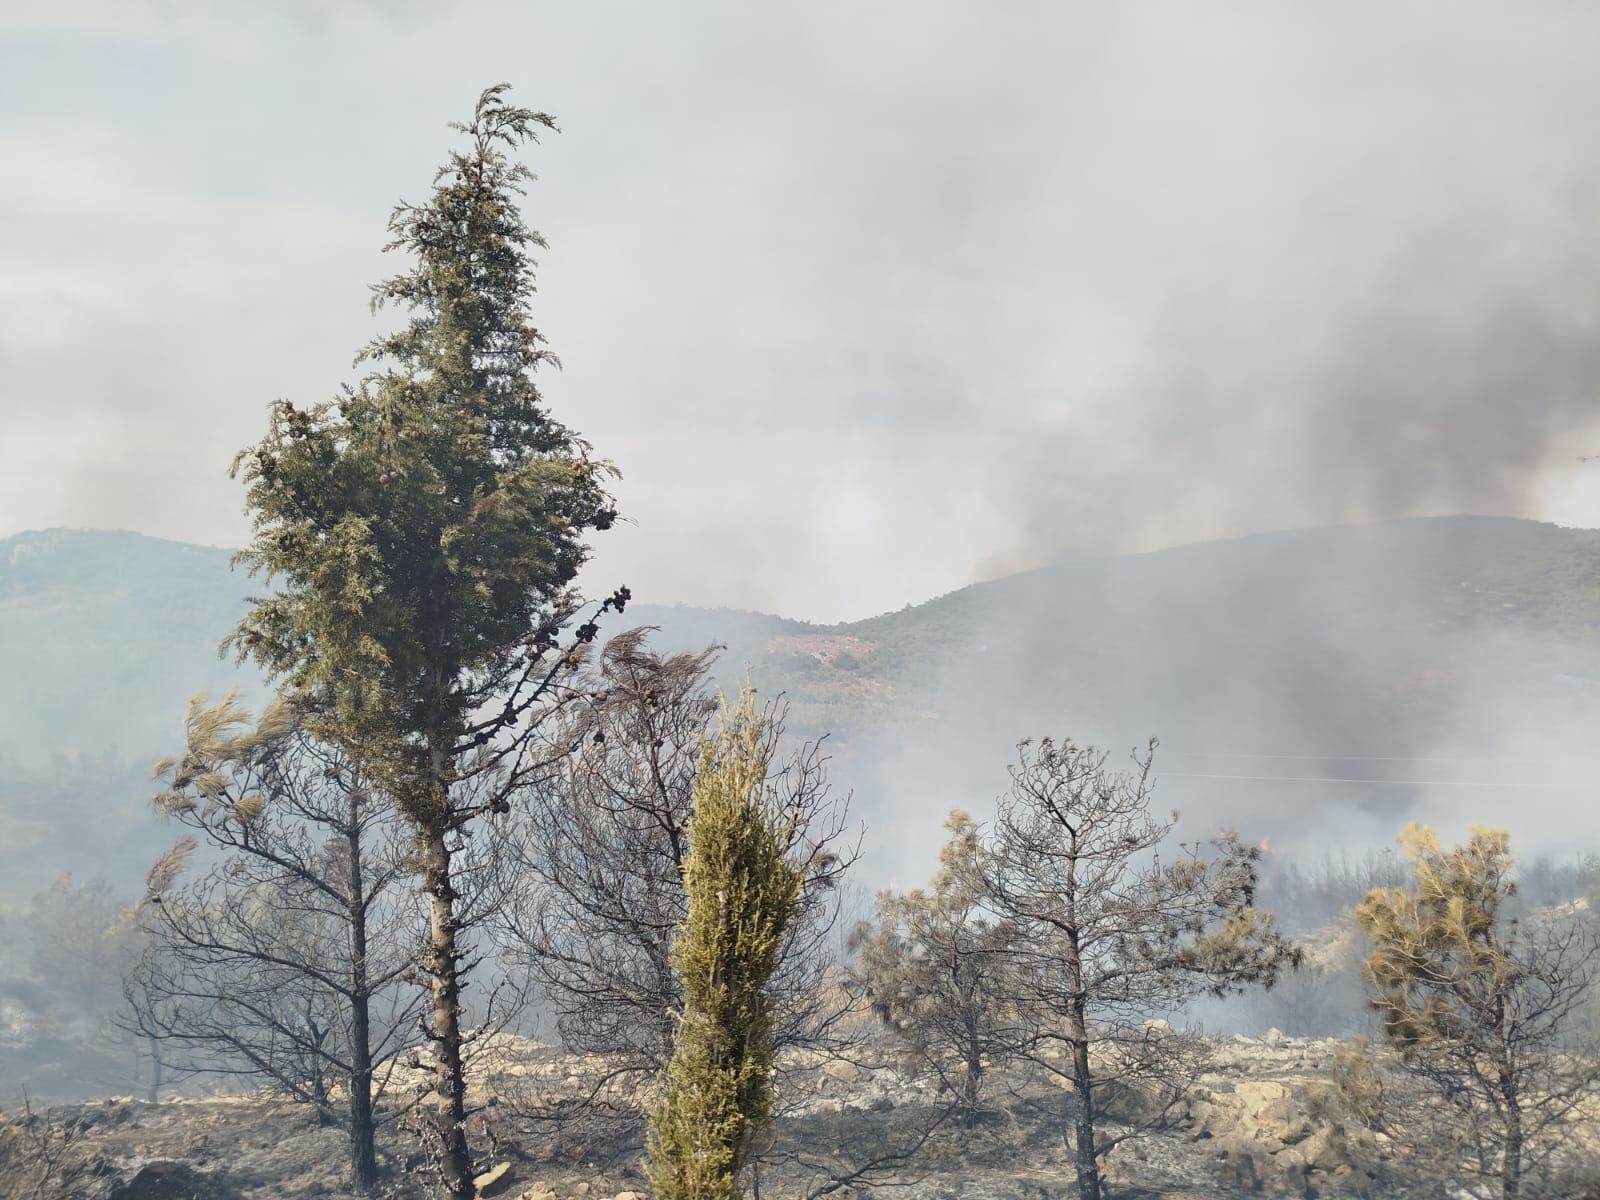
(106, 634)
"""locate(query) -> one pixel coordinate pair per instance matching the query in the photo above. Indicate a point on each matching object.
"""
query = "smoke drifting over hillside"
(1338, 261)
(872, 301)
(927, 290)
(1312, 690)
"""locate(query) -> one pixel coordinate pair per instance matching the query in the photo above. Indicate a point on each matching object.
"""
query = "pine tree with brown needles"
(940, 973)
(1111, 927)
(1487, 1010)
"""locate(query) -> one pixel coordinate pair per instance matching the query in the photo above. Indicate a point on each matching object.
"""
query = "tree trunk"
(154, 1091)
(448, 1110)
(972, 1078)
(971, 1031)
(1511, 1169)
(1078, 1031)
(970, 1086)
(363, 1145)
(363, 1148)
(1083, 1116)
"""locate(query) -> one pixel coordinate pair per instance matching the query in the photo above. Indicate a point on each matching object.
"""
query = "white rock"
(493, 1181)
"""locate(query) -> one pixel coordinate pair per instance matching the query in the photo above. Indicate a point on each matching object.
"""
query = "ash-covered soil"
(1267, 1119)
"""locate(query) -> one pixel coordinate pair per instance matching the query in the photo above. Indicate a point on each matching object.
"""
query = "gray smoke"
(868, 301)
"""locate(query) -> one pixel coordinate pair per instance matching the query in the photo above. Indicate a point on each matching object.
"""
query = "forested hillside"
(1404, 638)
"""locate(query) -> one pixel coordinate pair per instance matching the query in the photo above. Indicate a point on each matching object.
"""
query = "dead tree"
(602, 839)
(42, 1158)
(1111, 937)
(938, 970)
(284, 960)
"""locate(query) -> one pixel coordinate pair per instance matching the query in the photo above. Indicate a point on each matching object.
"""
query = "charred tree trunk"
(1511, 1168)
(1078, 1032)
(1088, 1167)
(448, 1111)
(363, 1147)
(1083, 1113)
(153, 1092)
(363, 1143)
(970, 1085)
(972, 1077)
(973, 1058)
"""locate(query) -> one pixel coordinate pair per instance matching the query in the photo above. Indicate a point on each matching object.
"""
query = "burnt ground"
(1266, 1119)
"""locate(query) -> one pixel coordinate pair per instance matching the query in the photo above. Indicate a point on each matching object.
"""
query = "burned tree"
(1110, 936)
(282, 962)
(423, 531)
(602, 841)
(1488, 1011)
(43, 1158)
(939, 972)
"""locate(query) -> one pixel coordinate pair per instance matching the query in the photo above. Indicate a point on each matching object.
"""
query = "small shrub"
(41, 1158)
(1358, 1082)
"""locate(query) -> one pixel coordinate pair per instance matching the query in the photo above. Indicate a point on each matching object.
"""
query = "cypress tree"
(742, 891)
(422, 531)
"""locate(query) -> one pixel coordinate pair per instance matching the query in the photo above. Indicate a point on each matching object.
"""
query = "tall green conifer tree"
(422, 531)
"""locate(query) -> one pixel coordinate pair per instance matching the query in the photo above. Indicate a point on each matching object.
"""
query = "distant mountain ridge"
(104, 634)
(1317, 645)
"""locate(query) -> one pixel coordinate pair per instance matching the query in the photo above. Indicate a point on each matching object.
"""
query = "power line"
(1461, 758)
(1464, 783)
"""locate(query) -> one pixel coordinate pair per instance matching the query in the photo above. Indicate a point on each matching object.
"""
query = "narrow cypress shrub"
(742, 890)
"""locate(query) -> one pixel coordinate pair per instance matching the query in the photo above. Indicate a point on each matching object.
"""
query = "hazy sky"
(867, 300)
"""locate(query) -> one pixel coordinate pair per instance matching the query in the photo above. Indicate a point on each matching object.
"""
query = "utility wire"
(1465, 783)
(1443, 758)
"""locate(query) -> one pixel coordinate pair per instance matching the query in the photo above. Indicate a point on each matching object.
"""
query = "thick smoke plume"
(926, 290)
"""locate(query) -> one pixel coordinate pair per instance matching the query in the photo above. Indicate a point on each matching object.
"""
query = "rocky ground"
(1266, 1119)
